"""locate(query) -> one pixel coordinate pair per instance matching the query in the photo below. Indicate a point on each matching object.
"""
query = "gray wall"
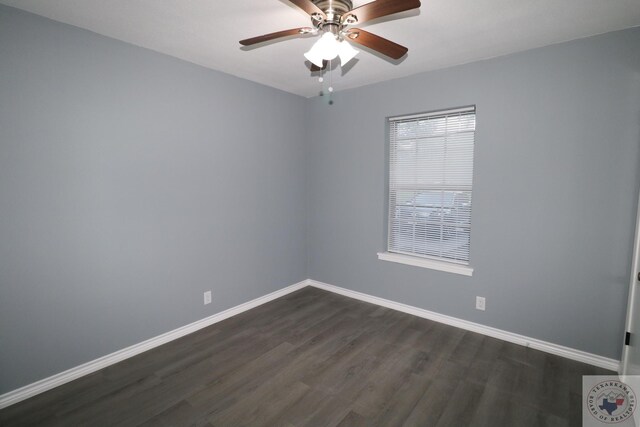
(130, 183)
(555, 190)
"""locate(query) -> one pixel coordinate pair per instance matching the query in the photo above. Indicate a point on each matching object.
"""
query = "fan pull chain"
(321, 80)
(330, 83)
(330, 78)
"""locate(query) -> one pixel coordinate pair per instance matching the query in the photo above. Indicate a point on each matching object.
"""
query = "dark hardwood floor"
(313, 358)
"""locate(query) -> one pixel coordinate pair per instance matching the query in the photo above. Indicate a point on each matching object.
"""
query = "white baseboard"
(559, 350)
(56, 380)
(53, 381)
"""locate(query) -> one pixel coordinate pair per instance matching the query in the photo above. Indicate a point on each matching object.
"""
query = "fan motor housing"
(339, 7)
(334, 9)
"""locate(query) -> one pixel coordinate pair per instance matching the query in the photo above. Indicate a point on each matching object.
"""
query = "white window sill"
(449, 267)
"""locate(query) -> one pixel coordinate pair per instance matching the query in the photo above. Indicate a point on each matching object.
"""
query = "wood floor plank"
(384, 382)
(353, 419)
(180, 414)
(461, 405)
(226, 389)
(330, 413)
(399, 407)
(432, 404)
(255, 410)
(314, 358)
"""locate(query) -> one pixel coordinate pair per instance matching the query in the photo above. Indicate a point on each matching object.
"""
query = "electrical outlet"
(480, 303)
(207, 297)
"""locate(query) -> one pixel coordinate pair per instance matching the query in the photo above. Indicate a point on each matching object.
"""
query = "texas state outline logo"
(611, 401)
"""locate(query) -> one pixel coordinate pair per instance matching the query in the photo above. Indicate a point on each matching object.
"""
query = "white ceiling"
(442, 34)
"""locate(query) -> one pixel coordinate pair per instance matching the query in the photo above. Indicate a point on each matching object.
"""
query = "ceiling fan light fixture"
(314, 58)
(327, 48)
(346, 53)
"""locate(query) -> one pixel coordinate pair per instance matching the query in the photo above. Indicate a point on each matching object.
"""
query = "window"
(430, 187)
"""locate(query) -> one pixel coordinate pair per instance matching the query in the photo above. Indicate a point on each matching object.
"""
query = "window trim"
(432, 264)
(451, 266)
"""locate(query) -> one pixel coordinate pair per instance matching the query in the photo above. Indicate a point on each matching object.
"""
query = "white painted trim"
(56, 380)
(449, 267)
(558, 350)
(631, 316)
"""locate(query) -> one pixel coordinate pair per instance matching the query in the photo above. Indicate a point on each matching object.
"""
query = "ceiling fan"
(334, 19)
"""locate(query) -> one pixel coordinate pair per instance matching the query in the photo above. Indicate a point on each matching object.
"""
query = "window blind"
(430, 184)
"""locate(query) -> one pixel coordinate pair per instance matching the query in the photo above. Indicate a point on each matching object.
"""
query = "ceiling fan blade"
(315, 68)
(377, 43)
(308, 7)
(379, 8)
(277, 35)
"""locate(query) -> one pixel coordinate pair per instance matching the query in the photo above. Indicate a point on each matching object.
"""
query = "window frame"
(420, 260)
